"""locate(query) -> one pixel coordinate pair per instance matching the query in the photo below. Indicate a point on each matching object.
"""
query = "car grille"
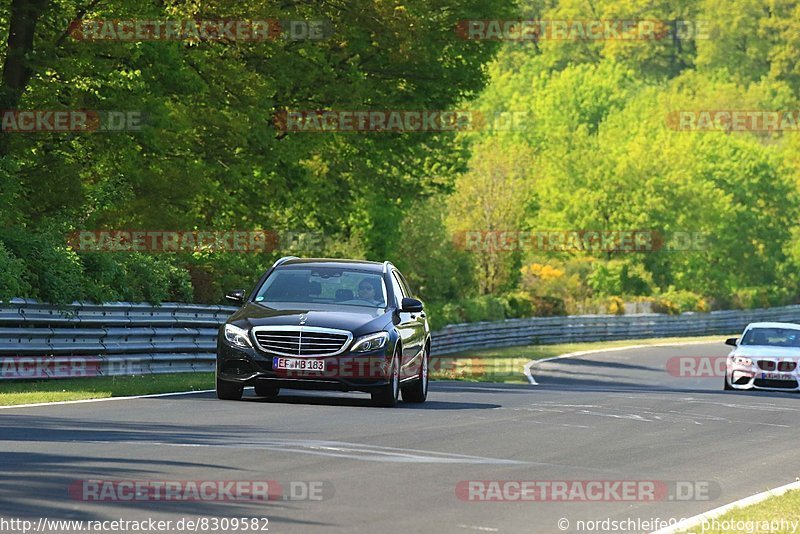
(301, 340)
(784, 366)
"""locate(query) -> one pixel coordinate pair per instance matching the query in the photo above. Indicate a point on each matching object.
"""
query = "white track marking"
(59, 403)
(687, 524)
(336, 449)
(476, 527)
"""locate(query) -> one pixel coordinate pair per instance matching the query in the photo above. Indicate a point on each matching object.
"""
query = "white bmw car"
(765, 357)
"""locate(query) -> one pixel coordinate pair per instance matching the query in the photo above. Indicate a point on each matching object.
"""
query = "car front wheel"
(229, 391)
(728, 386)
(417, 391)
(388, 394)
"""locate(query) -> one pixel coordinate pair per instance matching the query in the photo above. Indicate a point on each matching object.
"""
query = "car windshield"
(323, 285)
(778, 337)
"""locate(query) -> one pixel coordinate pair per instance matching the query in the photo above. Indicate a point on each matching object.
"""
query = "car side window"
(404, 284)
(397, 289)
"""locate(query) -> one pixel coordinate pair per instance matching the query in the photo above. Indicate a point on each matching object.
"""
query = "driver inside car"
(368, 290)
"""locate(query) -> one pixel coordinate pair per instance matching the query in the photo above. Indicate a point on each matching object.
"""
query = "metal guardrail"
(119, 338)
(582, 328)
(40, 341)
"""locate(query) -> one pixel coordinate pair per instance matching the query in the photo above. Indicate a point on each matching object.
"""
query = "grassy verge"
(30, 391)
(764, 517)
(506, 364)
(495, 365)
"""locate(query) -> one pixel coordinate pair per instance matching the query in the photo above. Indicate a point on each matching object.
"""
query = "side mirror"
(236, 296)
(731, 341)
(411, 305)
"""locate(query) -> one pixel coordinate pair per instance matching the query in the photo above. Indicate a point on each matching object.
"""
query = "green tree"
(209, 154)
(494, 195)
(435, 267)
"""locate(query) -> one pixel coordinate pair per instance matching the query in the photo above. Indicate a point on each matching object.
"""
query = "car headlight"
(237, 336)
(741, 360)
(370, 342)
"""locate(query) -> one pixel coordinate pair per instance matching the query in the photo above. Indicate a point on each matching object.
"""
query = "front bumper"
(741, 376)
(365, 372)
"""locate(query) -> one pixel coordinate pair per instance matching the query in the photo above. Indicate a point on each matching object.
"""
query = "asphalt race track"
(613, 416)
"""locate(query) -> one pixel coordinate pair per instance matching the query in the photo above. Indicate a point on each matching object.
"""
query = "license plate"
(776, 376)
(298, 364)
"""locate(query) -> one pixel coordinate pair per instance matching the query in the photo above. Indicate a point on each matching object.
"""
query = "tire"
(266, 390)
(417, 391)
(728, 387)
(388, 394)
(229, 391)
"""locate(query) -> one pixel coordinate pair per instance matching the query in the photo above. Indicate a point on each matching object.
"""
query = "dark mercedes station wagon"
(326, 324)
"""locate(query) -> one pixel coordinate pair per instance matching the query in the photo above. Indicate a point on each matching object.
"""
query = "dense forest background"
(593, 149)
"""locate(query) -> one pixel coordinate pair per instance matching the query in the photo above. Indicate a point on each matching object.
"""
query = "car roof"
(335, 262)
(793, 326)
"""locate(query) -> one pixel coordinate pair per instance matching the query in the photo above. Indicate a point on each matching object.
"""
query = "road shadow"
(361, 402)
(38, 428)
(610, 365)
(37, 485)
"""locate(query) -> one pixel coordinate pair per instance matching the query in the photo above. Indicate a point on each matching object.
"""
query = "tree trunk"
(16, 69)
